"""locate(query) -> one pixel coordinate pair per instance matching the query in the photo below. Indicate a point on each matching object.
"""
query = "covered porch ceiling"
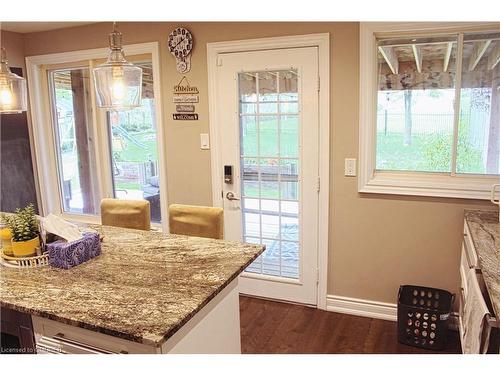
(424, 63)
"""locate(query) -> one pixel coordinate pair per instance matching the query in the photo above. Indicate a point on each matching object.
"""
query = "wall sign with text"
(184, 95)
(185, 116)
(184, 108)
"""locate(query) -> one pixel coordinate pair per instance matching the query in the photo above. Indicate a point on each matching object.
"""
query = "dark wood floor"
(275, 327)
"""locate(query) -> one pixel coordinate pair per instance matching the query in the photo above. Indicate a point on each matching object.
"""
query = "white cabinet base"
(215, 329)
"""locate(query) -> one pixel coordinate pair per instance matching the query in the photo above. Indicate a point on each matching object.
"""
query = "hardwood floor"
(275, 327)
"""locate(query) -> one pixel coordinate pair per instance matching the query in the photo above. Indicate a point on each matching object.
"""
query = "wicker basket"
(25, 262)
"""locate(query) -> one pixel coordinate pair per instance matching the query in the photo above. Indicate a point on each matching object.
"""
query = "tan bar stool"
(197, 221)
(133, 214)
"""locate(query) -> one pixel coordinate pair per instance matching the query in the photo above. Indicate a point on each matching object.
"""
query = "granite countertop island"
(143, 287)
(485, 232)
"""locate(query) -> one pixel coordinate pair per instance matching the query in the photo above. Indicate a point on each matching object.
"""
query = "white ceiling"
(33, 27)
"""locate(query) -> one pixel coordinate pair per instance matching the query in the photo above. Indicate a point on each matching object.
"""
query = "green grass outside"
(128, 185)
(288, 139)
(267, 192)
(133, 153)
(427, 153)
(393, 154)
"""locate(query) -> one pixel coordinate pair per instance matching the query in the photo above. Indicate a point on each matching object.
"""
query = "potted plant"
(24, 227)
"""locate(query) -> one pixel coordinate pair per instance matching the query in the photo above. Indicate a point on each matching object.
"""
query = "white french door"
(267, 111)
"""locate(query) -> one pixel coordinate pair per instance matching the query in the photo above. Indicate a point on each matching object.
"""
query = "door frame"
(322, 41)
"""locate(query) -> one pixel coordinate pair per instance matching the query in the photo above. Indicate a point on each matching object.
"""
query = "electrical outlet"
(350, 167)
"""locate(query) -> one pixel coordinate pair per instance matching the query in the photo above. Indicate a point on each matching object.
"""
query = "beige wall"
(14, 44)
(376, 242)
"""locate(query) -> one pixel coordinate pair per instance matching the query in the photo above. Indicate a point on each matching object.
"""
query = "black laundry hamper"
(423, 314)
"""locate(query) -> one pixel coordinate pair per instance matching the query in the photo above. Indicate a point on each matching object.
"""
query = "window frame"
(43, 130)
(450, 185)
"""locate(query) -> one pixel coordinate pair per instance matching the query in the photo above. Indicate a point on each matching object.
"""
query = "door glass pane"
(269, 131)
(289, 136)
(290, 259)
(70, 96)
(269, 178)
(268, 87)
(415, 104)
(250, 181)
(134, 149)
(479, 126)
(271, 258)
(251, 222)
(289, 179)
(249, 135)
(268, 135)
(270, 226)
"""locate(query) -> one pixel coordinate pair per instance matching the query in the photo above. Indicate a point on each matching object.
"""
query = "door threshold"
(279, 300)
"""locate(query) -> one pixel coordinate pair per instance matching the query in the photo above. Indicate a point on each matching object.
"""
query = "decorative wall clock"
(180, 44)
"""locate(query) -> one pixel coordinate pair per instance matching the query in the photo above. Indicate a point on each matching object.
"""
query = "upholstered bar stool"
(197, 221)
(133, 214)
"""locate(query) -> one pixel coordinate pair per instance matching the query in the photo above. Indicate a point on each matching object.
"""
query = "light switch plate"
(204, 141)
(350, 167)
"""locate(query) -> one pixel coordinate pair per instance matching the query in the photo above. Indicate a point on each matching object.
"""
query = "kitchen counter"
(485, 232)
(144, 286)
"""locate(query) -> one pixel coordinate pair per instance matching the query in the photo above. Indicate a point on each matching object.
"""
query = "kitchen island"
(484, 229)
(147, 292)
(480, 270)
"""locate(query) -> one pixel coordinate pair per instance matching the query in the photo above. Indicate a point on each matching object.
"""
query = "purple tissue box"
(70, 254)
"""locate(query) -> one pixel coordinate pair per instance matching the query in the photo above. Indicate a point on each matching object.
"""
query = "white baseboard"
(362, 307)
(372, 309)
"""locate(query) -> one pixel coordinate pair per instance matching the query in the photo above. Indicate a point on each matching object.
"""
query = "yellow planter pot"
(5, 237)
(25, 248)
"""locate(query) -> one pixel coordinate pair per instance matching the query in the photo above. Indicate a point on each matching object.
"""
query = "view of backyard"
(133, 147)
(134, 143)
(431, 134)
(270, 152)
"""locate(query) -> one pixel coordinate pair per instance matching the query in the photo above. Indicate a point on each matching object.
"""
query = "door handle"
(230, 196)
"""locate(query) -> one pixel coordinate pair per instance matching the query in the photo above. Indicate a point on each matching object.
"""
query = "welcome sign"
(185, 116)
(185, 93)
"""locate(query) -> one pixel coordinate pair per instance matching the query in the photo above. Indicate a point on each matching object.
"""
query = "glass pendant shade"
(13, 97)
(118, 83)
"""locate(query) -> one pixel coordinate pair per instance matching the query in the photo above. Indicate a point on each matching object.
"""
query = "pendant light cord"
(115, 39)
(4, 55)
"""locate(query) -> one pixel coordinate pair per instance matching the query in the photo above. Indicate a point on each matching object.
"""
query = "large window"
(134, 149)
(415, 104)
(437, 115)
(74, 139)
(86, 153)
(478, 148)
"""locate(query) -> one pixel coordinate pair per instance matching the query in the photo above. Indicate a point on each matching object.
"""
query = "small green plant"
(23, 224)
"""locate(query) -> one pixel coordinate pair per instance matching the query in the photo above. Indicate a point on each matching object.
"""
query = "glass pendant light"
(118, 83)
(12, 88)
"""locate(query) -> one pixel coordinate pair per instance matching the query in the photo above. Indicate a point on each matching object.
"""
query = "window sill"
(429, 185)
